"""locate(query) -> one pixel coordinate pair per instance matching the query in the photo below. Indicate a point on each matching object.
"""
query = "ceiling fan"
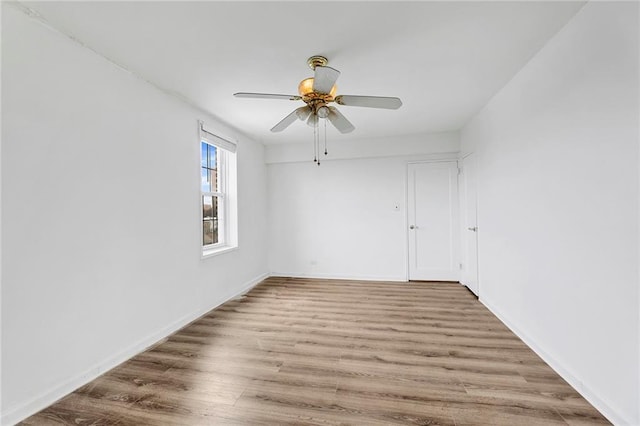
(317, 93)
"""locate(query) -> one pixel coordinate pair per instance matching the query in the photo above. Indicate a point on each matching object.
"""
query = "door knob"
(413, 227)
(474, 229)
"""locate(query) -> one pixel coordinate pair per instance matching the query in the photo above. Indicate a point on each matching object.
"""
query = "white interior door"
(469, 213)
(433, 221)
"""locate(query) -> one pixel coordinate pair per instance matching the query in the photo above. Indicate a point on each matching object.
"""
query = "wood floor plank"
(333, 352)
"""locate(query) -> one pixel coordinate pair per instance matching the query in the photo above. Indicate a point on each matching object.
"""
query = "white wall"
(339, 149)
(100, 197)
(558, 205)
(339, 219)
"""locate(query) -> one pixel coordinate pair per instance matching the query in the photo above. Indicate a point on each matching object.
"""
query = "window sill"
(217, 251)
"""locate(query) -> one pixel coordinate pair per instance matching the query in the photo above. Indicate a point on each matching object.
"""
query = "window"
(217, 193)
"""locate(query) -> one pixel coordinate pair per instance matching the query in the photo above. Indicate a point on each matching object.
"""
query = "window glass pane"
(203, 154)
(210, 220)
(207, 207)
(213, 154)
(209, 234)
(206, 182)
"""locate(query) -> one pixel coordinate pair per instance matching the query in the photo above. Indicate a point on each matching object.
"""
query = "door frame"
(444, 159)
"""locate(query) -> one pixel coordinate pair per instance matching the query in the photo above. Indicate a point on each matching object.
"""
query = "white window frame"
(227, 195)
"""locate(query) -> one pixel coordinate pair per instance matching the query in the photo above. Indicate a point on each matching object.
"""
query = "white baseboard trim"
(246, 287)
(17, 414)
(397, 278)
(588, 394)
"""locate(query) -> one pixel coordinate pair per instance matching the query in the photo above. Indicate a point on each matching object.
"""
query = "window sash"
(220, 197)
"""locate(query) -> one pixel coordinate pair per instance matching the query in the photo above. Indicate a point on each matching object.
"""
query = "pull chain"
(325, 136)
(315, 151)
(318, 140)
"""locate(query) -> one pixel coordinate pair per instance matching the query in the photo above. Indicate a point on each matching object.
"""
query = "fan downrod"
(316, 60)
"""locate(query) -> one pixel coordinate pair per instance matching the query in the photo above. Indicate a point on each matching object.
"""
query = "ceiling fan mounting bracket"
(316, 60)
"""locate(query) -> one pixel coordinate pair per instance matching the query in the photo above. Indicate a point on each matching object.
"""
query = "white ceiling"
(443, 59)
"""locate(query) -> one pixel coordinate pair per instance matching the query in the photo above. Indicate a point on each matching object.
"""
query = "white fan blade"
(266, 96)
(303, 112)
(369, 101)
(339, 121)
(324, 79)
(285, 122)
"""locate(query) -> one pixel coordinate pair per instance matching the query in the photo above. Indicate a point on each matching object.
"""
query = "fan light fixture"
(317, 93)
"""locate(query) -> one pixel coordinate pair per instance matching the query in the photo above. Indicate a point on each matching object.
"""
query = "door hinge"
(460, 265)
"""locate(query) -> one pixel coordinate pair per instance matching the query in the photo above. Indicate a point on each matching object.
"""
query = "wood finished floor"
(326, 352)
